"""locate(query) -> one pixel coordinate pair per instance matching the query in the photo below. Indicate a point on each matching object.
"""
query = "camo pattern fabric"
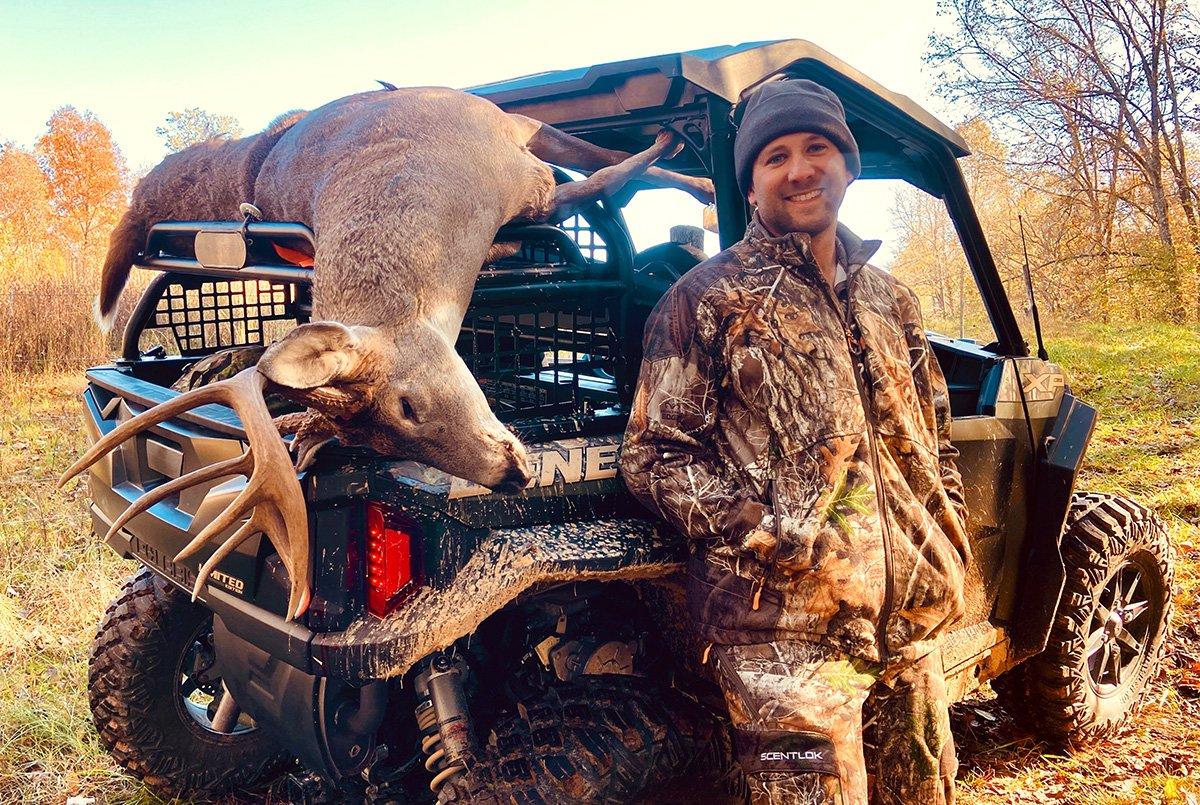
(909, 748)
(224, 365)
(801, 439)
(798, 714)
(218, 366)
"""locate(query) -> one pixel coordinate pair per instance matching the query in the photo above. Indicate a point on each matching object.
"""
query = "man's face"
(798, 182)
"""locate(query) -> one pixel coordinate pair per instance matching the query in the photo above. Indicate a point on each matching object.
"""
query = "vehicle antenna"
(1037, 322)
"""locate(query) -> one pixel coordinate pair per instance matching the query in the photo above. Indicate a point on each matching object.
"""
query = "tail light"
(391, 572)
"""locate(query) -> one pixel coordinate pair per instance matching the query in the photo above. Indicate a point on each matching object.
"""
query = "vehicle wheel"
(611, 739)
(1108, 635)
(158, 706)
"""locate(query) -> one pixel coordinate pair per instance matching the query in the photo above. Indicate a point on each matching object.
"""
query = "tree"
(930, 258)
(195, 125)
(86, 178)
(1101, 94)
(25, 216)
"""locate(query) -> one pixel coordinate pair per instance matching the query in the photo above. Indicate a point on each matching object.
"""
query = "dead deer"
(405, 191)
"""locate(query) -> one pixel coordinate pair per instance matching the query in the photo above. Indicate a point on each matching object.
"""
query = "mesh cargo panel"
(205, 315)
(542, 360)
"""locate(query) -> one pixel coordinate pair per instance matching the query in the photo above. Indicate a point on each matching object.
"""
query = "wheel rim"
(1124, 626)
(200, 693)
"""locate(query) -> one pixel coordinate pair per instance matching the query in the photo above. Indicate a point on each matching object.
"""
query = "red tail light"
(390, 570)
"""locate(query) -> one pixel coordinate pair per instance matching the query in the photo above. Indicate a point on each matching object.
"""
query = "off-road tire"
(134, 697)
(1056, 694)
(611, 739)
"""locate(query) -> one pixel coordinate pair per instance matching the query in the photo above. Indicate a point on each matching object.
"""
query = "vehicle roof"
(624, 88)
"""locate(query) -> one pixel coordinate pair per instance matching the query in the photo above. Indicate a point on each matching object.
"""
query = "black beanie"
(786, 107)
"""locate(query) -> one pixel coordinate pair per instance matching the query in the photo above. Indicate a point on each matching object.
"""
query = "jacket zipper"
(854, 348)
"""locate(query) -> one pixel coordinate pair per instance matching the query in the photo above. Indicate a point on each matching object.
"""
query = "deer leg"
(571, 197)
(559, 148)
(499, 251)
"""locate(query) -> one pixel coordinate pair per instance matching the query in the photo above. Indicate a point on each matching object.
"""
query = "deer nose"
(514, 481)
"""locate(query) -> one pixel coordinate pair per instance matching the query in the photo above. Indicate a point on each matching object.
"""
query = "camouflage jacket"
(801, 439)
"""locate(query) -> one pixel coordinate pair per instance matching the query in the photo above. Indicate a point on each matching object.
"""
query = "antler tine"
(216, 392)
(232, 466)
(244, 501)
(270, 519)
(288, 517)
(272, 491)
(227, 547)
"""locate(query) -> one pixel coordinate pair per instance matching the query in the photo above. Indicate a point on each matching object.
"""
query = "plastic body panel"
(1042, 572)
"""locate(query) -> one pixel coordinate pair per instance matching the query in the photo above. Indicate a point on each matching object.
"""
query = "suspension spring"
(442, 719)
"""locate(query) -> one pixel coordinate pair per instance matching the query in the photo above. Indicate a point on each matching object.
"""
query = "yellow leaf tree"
(87, 181)
(26, 237)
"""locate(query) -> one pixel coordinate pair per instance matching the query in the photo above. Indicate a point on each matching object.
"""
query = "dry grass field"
(55, 580)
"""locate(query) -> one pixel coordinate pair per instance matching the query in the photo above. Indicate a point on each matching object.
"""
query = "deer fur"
(405, 190)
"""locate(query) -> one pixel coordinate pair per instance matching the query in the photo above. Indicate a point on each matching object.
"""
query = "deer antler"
(272, 491)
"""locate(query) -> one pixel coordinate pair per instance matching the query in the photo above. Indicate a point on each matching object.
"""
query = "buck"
(405, 190)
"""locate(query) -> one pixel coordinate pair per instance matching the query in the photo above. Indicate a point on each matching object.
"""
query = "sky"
(133, 62)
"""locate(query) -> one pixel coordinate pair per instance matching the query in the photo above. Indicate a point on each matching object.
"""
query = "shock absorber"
(443, 719)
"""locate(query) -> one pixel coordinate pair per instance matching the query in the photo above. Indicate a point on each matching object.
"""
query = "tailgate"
(196, 439)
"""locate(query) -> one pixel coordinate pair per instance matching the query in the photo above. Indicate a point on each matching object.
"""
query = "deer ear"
(321, 353)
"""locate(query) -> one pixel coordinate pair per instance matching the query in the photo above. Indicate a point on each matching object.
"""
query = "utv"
(463, 645)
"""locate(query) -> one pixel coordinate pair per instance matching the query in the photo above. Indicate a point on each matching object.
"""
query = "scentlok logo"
(803, 752)
(810, 754)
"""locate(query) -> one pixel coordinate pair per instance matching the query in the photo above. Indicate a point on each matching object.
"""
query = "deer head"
(402, 394)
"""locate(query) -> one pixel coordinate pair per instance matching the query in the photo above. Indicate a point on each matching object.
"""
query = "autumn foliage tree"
(25, 216)
(87, 181)
(194, 125)
(58, 205)
(930, 258)
(1100, 101)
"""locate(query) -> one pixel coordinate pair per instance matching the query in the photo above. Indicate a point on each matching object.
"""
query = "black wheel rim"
(1124, 625)
(199, 691)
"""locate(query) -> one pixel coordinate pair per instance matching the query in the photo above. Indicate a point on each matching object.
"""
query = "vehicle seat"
(656, 269)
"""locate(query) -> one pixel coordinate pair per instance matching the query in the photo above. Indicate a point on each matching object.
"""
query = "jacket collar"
(794, 248)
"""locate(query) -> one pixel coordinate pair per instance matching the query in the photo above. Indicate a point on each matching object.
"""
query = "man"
(793, 422)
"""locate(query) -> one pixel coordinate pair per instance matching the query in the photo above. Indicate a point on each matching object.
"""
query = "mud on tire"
(1108, 634)
(135, 696)
(608, 740)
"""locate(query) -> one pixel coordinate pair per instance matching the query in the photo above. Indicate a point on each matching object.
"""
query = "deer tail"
(123, 248)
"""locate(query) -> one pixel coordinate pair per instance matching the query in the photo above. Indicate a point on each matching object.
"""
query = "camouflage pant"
(800, 711)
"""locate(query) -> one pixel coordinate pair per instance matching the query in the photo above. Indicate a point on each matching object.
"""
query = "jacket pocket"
(722, 604)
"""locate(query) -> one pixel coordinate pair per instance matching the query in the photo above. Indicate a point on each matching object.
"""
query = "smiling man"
(792, 420)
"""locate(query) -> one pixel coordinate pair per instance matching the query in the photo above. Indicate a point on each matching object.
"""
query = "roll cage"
(622, 105)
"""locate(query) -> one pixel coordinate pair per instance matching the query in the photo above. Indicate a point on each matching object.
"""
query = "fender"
(509, 563)
(1042, 570)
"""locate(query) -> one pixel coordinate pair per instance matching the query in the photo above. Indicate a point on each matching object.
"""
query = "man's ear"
(321, 353)
(750, 197)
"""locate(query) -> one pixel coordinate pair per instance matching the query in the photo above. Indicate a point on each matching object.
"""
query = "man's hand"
(701, 189)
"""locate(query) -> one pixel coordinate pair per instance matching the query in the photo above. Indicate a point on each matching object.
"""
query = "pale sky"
(132, 62)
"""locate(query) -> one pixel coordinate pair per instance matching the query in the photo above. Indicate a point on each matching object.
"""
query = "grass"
(1145, 382)
(55, 580)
